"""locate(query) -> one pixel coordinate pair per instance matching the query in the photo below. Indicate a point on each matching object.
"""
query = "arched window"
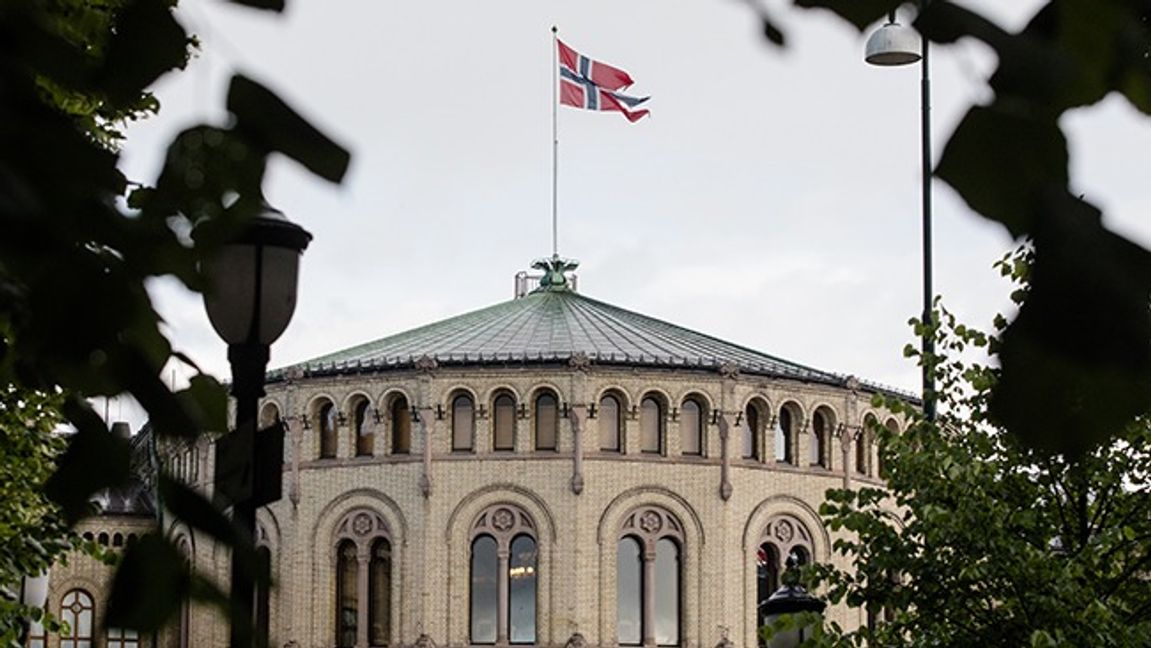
(785, 436)
(263, 590)
(401, 426)
(504, 422)
(327, 421)
(651, 425)
(881, 463)
(363, 556)
(122, 638)
(269, 415)
(380, 593)
(463, 422)
(749, 432)
(365, 439)
(691, 427)
(37, 638)
(782, 536)
(77, 610)
(649, 577)
(820, 433)
(863, 444)
(504, 577)
(610, 424)
(547, 421)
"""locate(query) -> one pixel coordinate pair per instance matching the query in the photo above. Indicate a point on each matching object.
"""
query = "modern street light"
(250, 299)
(892, 45)
(790, 598)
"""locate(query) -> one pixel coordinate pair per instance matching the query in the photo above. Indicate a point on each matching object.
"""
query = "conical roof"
(555, 324)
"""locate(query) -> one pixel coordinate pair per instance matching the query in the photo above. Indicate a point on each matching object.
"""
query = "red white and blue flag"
(594, 85)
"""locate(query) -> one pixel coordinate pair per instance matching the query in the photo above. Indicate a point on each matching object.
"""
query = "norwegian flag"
(593, 85)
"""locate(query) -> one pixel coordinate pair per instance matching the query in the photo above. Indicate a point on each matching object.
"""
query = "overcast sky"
(771, 199)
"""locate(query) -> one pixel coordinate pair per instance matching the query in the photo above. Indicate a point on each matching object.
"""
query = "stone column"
(648, 613)
(725, 488)
(502, 594)
(577, 415)
(363, 558)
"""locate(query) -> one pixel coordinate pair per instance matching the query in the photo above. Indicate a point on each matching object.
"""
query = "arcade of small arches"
(762, 433)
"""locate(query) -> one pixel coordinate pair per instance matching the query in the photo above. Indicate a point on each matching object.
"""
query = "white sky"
(772, 198)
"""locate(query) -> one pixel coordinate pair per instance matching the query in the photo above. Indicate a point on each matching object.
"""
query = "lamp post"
(790, 598)
(894, 45)
(250, 299)
(33, 594)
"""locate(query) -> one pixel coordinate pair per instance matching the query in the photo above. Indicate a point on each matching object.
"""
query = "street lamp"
(33, 594)
(790, 598)
(250, 298)
(892, 45)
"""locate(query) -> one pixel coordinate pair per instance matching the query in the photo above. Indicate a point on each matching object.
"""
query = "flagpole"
(555, 142)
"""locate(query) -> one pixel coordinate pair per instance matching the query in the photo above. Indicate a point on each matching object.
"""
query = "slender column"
(845, 447)
(648, 618)
(928, 340)
(502, 590)
(426, 414)
(725, 488)
(363, 558)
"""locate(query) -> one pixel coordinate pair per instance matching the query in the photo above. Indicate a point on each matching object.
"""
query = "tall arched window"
(327, 421)
(463, 422)
(365, 439)
(547, 421)
(504, 422)
(749, 432)
(691, 427)
(504, 577)
(401, 426)
(263, 590)
(77, 610)
(651, 425)
(610, 424)
(649, 599)
(782, 536)
(785, 435)
(363, 564)
(820, 433)
(881, 463)
(269, 414)
(863, 444)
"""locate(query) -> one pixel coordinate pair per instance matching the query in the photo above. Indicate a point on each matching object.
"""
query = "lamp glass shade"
(34, 592)
(251, 292)
(893, 44)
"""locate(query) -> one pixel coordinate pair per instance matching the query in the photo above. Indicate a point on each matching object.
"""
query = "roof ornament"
(555, 271)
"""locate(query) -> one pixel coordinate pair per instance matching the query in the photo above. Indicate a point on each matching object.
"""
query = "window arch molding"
(461, 433)
(545, 417)
(612, 433)
(323, 420)
(270, 412)
(754, 423)
(366, 584)
(823, 429)
(503, 405)
(650, 576)
(358, 410)
(862, 445)
(504, 576)
(694, 441)
(656, 404)
(390, 431)
(789, 419)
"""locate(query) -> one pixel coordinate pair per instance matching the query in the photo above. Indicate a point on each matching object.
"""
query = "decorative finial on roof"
(555, 271)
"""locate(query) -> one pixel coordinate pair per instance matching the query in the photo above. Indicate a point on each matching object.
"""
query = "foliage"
(33, 533)
(981, 540)
(74, 312)
(1077, 358)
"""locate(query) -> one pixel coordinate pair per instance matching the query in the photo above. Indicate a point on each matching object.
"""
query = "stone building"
(546, 471)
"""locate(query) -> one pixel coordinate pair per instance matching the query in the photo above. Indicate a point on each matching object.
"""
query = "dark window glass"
(117, 638)
(818, 439)
(522, 591)
(547, 422)
(750, 432)
(346, 602)
(484, 590)
(691, 427)
(505, 423)
(609, 424)
(380, 593)
(463, 422)
(783, 436)
(667, 593)
(863, 445)
(365, 440)
(401, 426)
(629, 592)
(650, 425)
(327, 431)
(76, 609)
(263, 582)
(766, 580)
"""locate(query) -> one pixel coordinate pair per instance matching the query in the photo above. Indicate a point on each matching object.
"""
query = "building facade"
(548, 471)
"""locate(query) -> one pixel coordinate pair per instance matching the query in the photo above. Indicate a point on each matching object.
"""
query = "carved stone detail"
(579, 361)
(650, 522)
(577, 640)
(427, 364)
(729, 370)
(503, 519)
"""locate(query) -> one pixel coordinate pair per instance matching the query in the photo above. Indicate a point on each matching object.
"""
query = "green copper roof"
(554, 324)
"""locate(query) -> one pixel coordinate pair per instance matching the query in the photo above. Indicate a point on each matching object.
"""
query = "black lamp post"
(893, 45)
(790, 598)
(250, 300)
